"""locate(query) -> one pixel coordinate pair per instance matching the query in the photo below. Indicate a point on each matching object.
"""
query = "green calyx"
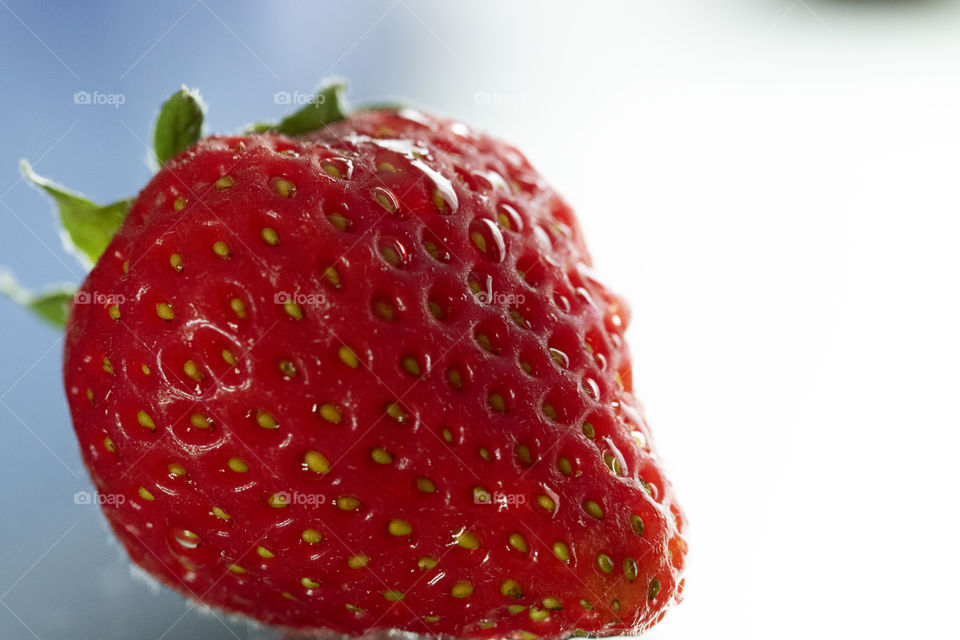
(52, 305)
(88, 227)
(324, 108)
(179, 124)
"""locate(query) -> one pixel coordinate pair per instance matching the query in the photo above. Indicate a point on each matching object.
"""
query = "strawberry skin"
(365, 379)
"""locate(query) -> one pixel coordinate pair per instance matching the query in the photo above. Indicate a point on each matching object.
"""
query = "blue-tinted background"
(771, 183)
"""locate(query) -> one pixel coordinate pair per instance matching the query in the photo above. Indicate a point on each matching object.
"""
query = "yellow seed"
(426, 563)
(511, 589)
(332, 276)
(552, 603)
(564, 465)
(630, 569)
(279, 501)
(538, 615)
(383, 310)
(228, 357)
(616, 605)
(200, 421)
(263, 552)
(468, 540)
(164, 311)
(381, 456)
(176, 469)
(238, 307)
(311, 536)
(483, 453)
(411, 365)
(517, 608)
(107, 366)
(637, 523)
(179, 204)
(108, 445)
(561, 551)
(436, 310)
(518, 542)
(550, 412)
(114, 312)
(353, 608)
(288, 368)
(331, 170)
(523, 455)
(176, 261)
(238, 465)
(283, 187)
(612, 463)
(347, 503)
(339, 221)
(330, 413)
(384, 200)
(220, 513)
(447, 435)
(316, 462)
(396, 412)
(594, 509)
(497, 403)
(293, 310)
(400, 528)
(190, 368)
(266, 420)
(145, 369)
(588, 430)
(653, 589)
(586, 604)
(386, 167)
(237, 568)
(390, 255)
(425, 485)
(287, 595)
(358, 562)
(145, 420)
(454, 378)
(348, 357)
(484, 342)
(309, 584)
(546, 502)
(269, 235)
(461, 590)
(223, 183)
(393, 596)
(221, 249)
(527, 369)
(604, 562)
(440, 202)
(479, 241)
(146, 495)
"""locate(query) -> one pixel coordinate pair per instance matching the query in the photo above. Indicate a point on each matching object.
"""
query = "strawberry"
(353, 372)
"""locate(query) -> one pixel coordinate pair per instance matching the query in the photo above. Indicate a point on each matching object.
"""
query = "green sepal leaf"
(326, 107)
(88, 227)
(52, 305)
(383, 105)
(179, 124)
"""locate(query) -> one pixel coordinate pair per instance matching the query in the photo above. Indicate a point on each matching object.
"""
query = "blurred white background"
(774, 185)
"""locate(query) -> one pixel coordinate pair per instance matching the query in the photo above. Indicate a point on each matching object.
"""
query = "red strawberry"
(363, 378)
